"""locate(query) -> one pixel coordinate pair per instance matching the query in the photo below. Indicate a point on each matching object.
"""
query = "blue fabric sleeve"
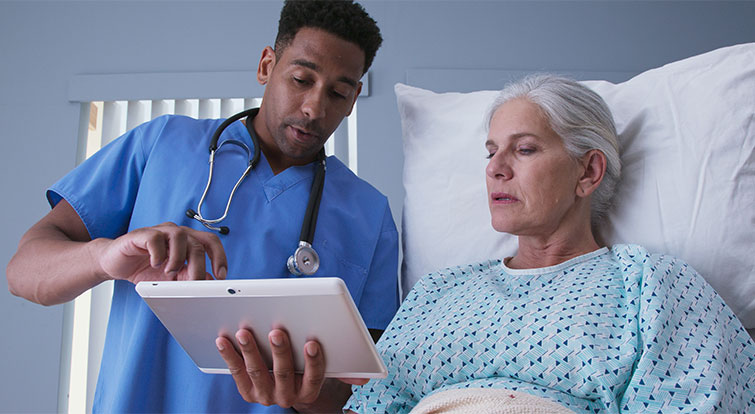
(694, 355)
(102, 190)
(380, 297)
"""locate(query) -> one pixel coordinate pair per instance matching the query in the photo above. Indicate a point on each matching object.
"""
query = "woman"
(566, 324)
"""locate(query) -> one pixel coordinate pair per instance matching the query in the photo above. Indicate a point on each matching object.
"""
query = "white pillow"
(687, 132)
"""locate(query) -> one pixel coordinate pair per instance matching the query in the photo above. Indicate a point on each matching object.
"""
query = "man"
(121, 215)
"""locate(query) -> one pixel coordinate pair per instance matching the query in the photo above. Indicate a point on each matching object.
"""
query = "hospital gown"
(611, 331)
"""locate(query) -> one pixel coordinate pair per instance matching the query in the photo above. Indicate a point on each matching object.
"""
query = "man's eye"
(339, 95)
(299, 80)
(489, 156)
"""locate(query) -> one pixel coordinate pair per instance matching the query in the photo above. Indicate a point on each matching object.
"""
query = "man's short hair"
(343, 18)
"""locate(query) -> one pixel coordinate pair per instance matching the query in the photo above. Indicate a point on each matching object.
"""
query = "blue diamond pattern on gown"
(611, 331)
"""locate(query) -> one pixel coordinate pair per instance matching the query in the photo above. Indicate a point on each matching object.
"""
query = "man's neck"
(275, 158)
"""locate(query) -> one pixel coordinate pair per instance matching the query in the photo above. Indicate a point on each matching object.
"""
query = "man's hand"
(57, 260)
(162, 252)
(283, 386)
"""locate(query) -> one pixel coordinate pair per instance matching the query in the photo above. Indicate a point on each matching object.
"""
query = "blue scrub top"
(157, 171)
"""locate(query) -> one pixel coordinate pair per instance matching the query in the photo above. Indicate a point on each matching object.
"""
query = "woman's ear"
(265, 67)
(593, 165)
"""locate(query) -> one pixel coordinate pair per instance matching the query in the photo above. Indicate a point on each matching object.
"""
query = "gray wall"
(44, 44)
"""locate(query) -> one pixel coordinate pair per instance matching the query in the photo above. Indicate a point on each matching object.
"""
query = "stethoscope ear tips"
(193, 215)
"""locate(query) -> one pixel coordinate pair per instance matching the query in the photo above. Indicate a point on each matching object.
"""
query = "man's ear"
(267, 63)
(593, 165)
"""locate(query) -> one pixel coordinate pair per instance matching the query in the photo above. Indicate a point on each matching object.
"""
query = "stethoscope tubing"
(233, 191)
(313, 205)
(309, 256)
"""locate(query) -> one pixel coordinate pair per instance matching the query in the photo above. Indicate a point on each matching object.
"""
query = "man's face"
(310, 88)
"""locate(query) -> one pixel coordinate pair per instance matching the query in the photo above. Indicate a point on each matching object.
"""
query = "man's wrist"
(96, 250)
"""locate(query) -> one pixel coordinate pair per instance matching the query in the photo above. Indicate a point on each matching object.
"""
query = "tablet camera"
(232, 291)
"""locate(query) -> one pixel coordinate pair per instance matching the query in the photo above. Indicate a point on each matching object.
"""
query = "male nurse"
(121, 215)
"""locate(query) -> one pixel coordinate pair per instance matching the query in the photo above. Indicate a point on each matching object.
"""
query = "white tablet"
(197, 312)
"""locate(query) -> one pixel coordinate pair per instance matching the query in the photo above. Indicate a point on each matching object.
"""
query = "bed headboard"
(687, 132)
(473, 80)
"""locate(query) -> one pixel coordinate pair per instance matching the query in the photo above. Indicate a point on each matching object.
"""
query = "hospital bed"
(687, 132)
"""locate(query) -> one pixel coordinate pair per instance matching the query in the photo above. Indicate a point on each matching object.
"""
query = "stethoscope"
(305, 260)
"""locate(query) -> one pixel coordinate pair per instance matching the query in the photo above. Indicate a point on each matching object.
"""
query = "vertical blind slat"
(113, 121)
(351, 158)
(138, 112)
(162, 107)
(187, 107)
(230, 107)
(252, 102)
(209, 108)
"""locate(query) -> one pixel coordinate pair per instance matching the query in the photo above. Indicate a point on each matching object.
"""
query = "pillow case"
(687, 134)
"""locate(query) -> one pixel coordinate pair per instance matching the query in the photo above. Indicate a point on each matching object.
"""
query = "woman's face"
(531, 179)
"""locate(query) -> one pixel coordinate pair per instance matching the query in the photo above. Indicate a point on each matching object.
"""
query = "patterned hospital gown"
(611, 331)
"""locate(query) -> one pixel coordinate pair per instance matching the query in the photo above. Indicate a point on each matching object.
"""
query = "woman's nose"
(498, 167)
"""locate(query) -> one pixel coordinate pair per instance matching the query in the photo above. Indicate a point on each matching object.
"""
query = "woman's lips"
(502, 198)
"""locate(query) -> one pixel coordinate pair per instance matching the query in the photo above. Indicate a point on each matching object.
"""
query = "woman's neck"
(538, 251)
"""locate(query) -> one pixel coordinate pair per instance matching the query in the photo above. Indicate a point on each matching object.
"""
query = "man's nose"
(314, 105)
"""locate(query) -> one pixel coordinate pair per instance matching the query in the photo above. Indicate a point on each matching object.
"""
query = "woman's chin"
(505, 228)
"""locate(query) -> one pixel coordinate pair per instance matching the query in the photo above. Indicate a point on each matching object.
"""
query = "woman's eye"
(490, 155)
(526, 150)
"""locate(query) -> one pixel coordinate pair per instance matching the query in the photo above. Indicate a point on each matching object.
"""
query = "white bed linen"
(687, 131)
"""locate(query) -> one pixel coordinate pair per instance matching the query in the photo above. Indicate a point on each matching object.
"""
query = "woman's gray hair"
(580, 117)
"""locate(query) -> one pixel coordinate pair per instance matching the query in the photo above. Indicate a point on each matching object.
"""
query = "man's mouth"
(306, 130)
(303, 133)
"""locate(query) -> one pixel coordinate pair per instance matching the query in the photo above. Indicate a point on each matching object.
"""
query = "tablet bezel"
(196, 312)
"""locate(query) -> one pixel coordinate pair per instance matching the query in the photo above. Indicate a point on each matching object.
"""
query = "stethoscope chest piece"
(304, 261)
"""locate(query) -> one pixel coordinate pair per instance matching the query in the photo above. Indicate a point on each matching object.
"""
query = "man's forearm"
(52, 270)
